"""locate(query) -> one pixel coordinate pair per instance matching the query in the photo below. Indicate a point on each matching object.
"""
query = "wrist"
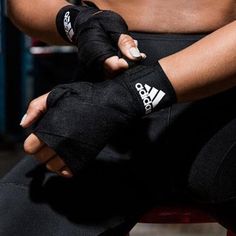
(69, 18)
(150, 87)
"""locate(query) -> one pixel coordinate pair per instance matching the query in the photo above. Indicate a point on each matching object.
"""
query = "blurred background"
(15, 69)
(29, 68)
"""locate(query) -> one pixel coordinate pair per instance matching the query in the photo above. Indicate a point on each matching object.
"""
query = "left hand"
(34, 146)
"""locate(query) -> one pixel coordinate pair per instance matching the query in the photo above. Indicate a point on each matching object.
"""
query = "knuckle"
(112, 68)
(28, 148)
(126, 40)
(32, 103)
(115, 67)
(35, 106)
(111, 65)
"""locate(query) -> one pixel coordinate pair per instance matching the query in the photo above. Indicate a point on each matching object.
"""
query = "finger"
(114, 64)
(45, 154)
(128, 47)
(33, 144)
(55, 164)
(65, 172)
(35, 109)
(143, 55)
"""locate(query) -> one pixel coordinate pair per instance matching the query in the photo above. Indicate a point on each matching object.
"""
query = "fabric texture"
(94, 32)
(82, 117)
(146, 165)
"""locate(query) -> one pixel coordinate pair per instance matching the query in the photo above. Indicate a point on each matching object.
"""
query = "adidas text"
(67, 26)
(150, 96)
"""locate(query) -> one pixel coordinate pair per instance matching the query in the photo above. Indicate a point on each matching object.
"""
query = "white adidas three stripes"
(150, 95)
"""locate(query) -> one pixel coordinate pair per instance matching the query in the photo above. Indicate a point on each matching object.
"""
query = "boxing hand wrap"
(69, 18)
(82, 117)
(150, 87)
(94, 32)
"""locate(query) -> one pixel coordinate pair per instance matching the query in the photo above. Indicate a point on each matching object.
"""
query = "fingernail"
(23, 119)
(144, 56)
(66, 173)
(135, 52)
(136, 42)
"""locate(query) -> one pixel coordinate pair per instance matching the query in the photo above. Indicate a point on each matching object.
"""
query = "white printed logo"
(150, 96)
(67, 26)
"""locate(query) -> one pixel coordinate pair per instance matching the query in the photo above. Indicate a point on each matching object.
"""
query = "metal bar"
(38, 50)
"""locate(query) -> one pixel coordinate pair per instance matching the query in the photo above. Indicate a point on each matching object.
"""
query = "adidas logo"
(68, 27)
(150, 96)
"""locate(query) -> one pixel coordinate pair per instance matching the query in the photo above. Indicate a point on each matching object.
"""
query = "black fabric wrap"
(98, 39)
(83, 116)
(94, 32)
(67, 19)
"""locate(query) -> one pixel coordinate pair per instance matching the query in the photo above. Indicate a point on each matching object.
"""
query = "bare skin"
(186, 16)
(37, 18)
(211, 61)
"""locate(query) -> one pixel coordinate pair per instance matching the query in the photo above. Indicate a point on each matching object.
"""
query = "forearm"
(206, 67)
(37, 18)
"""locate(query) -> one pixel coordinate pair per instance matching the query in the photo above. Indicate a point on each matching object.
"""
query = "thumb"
(35, 109)
(114, 65)
(129, 48)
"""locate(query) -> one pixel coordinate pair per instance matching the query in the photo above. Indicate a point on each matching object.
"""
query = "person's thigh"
(100, 202)
(213, 175)
(145, 164)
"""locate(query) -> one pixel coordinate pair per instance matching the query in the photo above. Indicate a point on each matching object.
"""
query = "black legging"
(175, 153)
(213, 175)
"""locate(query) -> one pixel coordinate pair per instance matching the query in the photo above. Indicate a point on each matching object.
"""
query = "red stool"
(178, 215)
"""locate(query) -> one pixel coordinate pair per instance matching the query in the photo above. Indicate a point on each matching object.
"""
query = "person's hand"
(46, 155)
(36, 108)
(34, 146)
(105, 46)
(82, 117)
(129, 49)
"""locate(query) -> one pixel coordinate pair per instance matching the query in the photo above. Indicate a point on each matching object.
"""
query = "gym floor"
(10, 155)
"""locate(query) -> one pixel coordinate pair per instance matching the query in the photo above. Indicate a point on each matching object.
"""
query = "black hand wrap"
(95, 32)
(82, 116)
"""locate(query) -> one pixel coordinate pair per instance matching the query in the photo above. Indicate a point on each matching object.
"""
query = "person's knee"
(200, 186)
(217, 194)
(212, 178)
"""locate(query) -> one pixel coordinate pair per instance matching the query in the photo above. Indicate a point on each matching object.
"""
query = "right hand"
(129, 49)
(104, 44)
